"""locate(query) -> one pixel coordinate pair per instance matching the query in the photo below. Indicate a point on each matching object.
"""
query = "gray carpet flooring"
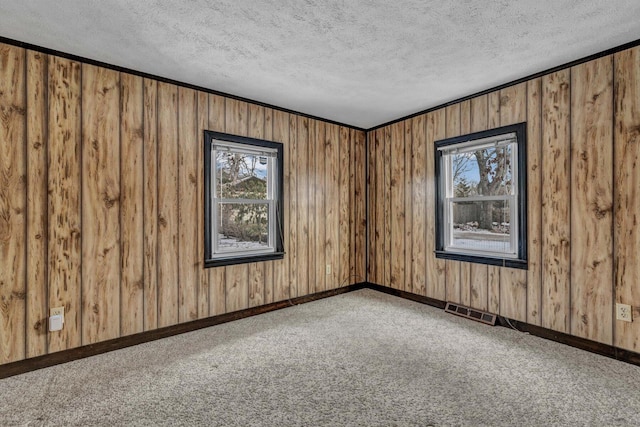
(358, 359)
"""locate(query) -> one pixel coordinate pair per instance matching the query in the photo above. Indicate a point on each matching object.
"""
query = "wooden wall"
(583, 149)
(101, 179)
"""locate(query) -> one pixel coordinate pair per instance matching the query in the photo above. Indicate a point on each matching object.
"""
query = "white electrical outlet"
(328, 269)
(56, 319)
(623, 312)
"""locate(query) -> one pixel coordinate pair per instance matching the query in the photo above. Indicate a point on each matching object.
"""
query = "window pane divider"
(244, 201)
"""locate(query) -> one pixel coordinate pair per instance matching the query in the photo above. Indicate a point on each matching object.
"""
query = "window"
(481, 197)
(243, 199)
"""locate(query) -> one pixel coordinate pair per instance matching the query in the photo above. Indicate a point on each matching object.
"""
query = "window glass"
(481, 191)
(243, 184)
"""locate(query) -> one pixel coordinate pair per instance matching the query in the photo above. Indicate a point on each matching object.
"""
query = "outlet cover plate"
(623, 312)
(57, 311)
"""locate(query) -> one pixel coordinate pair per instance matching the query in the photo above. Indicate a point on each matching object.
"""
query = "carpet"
(363, 358)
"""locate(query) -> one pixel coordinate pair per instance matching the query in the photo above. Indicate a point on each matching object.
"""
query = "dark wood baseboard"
(44, 361)
(538, 331)
(573, 341)
(28, 365)
(407, 295)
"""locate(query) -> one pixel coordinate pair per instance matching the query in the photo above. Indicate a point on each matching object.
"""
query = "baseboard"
(47, 360)
(407, 295)
(538, 331)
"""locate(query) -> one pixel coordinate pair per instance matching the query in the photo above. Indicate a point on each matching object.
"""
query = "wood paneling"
(626, 195)
(281, 268)
(319, 253)
(418, 209)
(332, 182)
(37, 292)
(556, 228)
(360, 208)
(582, 134)
(397, 204)
(344, 240)
(150, 200)
(101, 204)
(203, 124)
(12, 203)
(64, 246)
(436, 268)
(302, 207)
(592, 199)
(534, 199)
(132, 204)
(168, 255)
(189, 263)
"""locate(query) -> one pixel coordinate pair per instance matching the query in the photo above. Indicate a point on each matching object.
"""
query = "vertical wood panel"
(132, 204)
(150, 171)
(361, 207)
(388, 204)
(513, 282)
(302, 208)
(534, 202)
(12, 203)
(237, 277)
(37, 236)
(332, 137)
(556, 233)
(626, 196)
(320, 213)
(167, 205)
(407, 186)
(64, 245)
(203, 124)
(592, 199)
(479, 284)
(453, 267)
(293, 206)
(380, 209)
(344, 147)
(100, 204)
(311, 201)
(256, 270)
(281, 267)
(396, 206)
(217, 276)
(352, 206)
(418, 209)
(436, 268)
(189, 264)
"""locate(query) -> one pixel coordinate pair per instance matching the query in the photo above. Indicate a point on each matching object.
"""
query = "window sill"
(220, 262)
(522, 264)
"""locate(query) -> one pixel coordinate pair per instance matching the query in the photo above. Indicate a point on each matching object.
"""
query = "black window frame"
(209, 261)
(521, 262)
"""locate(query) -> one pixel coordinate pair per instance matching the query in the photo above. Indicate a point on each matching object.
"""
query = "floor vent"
(471, 313)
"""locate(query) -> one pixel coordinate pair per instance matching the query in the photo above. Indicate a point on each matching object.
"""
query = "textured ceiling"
(359, 62)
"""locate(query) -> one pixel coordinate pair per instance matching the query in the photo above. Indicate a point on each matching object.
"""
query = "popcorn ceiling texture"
(360, 62)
